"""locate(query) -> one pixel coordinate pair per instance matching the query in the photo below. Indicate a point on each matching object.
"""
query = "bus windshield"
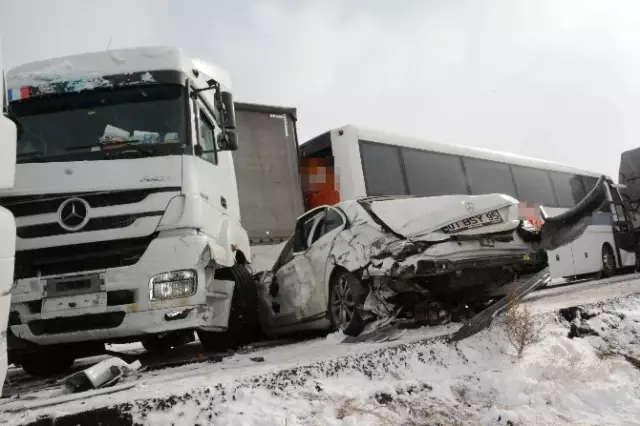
(90, 125)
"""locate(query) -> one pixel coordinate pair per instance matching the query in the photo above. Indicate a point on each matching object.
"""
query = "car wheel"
(243, 318)
(608, 262)
(46, 363)
(346, 297)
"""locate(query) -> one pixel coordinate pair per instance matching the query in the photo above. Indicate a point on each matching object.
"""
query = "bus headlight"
(172, 285)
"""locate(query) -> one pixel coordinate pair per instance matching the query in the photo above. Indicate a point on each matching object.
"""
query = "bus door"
(623, 232)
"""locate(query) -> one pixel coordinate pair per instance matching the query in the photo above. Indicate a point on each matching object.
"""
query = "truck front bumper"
(116, 304)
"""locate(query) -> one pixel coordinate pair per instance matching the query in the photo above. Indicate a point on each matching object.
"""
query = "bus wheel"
(608, 262)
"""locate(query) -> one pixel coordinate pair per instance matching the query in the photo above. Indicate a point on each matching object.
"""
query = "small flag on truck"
(18, 94)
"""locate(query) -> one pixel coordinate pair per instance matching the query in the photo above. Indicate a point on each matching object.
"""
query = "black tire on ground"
(243, 318)
(609, 268)
(346, 296)
(46, 363)
(155, 344)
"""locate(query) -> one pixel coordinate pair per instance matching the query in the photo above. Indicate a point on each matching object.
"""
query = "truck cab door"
(213, 178)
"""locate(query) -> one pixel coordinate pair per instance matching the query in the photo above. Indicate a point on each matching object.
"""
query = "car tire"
(346, 298)
(609, 268)
(243, 323)
(46, 363)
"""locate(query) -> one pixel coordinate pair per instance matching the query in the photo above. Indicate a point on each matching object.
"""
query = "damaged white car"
(424, 258)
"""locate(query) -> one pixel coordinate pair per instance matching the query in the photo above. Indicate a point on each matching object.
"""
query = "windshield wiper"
(115, 146)
(31, 155)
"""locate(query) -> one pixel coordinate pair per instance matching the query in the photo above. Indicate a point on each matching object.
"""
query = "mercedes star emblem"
(73, 214)
(469, 207)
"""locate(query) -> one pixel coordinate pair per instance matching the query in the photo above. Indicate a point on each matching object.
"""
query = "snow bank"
(584, 372)
(586, 379)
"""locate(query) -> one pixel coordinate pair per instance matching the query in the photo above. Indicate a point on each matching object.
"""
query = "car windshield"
(89, 125)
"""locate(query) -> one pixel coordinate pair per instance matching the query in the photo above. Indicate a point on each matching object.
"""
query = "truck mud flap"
(564, 228)
(484, 319)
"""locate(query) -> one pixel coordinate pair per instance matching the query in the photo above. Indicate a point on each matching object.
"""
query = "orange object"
(319, 184)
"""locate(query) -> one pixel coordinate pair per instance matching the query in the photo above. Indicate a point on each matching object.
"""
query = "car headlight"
(172, 285)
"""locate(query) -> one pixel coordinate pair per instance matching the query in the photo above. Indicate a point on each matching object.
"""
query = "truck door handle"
(223, 202)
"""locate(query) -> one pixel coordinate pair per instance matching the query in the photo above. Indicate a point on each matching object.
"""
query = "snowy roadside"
(584, 380)
(560, 381)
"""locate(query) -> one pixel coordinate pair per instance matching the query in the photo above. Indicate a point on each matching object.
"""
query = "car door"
(296, 271)
(319, 256)
(303, 279)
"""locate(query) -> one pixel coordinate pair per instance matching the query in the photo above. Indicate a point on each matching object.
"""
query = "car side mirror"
(228, 141)
(198, 150)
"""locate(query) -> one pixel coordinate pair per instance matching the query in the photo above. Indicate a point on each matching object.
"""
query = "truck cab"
(126, 205)
(7, 227)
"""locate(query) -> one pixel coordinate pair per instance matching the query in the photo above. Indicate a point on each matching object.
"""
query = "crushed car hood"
(419, 216)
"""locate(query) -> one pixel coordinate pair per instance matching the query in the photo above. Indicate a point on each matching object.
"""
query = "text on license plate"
(483, 219)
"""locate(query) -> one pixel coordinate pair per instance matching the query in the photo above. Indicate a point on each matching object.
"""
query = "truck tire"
(155, 344)
(46, 363)
(609, 268)
(346, 296)
(243, 318)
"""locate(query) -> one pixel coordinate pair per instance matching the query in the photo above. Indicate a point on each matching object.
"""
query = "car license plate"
(89, 303)
(476, 221)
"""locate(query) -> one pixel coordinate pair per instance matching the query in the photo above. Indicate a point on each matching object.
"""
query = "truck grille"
(30, 205)
(81, 257)
(96, 224)
(78, 323)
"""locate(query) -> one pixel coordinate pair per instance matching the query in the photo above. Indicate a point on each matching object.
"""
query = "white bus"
(367, 162)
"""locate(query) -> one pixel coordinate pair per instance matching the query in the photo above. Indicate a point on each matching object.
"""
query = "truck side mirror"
(228, 141)
(229, 110)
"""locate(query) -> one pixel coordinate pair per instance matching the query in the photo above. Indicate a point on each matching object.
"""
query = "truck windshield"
(96, 125)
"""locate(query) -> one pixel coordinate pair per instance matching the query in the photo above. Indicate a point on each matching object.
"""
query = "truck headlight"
(172, 285)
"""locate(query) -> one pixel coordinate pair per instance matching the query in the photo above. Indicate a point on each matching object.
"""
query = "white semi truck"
(7, 228)
(127, 207)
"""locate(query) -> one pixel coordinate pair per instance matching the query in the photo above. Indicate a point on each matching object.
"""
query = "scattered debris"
(103, 374)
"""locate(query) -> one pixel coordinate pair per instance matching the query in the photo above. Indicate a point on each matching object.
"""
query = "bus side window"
(382, 169)
(534, 186)
(432, 173)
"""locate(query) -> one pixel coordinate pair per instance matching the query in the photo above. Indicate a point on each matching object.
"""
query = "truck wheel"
(608, 262)
(165, 342)
(45, 363)
(243, 318)
(155, 344)
(346, 297)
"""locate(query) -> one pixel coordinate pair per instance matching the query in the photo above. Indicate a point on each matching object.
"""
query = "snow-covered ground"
(560, 381)
(589, 379)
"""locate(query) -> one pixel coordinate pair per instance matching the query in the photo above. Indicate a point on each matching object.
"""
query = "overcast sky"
(554, 79)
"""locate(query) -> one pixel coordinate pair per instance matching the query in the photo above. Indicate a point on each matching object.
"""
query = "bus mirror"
(229, 110)
(228, 141)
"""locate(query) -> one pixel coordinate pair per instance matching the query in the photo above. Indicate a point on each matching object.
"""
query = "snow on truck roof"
(93, 65)
(389, 138)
